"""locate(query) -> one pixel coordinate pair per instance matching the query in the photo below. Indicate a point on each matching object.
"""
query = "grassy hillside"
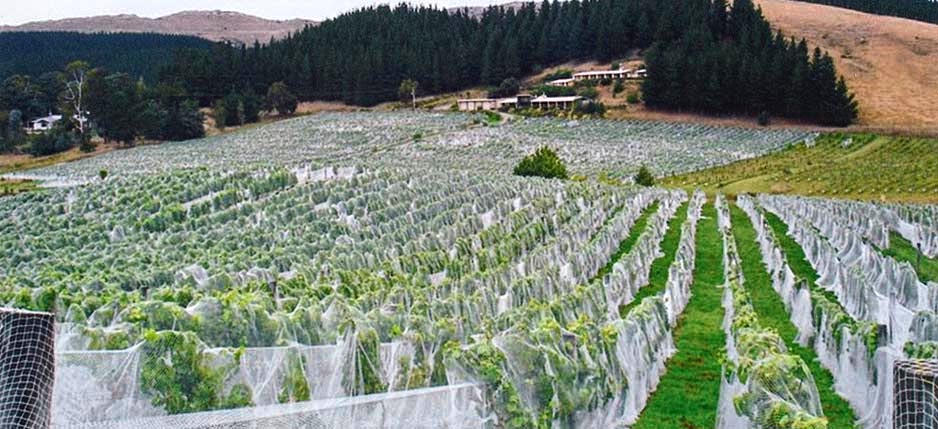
(890, 63)
(860, 166)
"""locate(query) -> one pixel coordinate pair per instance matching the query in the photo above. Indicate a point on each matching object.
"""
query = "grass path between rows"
(686, 397)
(626, 245)
(772, 314)
(797, 260)
(658, 277)
(901, 250)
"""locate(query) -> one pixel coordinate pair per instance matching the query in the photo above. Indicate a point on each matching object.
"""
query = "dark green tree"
(11, 130)
(281, 99)
(116, 104)
(184, 122)
(250, 106)
(234, 109)
(509, 87)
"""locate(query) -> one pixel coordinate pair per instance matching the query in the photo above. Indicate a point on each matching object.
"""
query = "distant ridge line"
(215, 25)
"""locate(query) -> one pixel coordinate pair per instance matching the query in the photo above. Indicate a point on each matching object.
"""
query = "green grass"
(625, 246)
(13, 187)
(872, 167)
(772, 314)
(658, 278)
(901, 249)
(688, 393)
(796, 258)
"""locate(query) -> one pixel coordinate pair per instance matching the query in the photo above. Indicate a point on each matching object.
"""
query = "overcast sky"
(13, 12)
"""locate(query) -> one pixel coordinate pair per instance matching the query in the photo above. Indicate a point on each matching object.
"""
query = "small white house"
(563, 103)
(638, 74)
(476, 104)
(601, 74)
(521, 101)
(562, 82)
(44, 124)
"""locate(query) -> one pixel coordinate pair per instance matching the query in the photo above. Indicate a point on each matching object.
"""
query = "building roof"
(568, 80)
(601, 72)
(475, 100)
(50, 118)
(546, 99)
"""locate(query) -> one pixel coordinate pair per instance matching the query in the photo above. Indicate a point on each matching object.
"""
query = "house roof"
(546, 99)
(601, 72)
(562, 80)
(51, 118)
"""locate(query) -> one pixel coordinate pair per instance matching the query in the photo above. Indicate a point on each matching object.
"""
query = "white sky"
(14, 12)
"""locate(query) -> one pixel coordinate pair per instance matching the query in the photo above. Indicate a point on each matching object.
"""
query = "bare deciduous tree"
(76, 74)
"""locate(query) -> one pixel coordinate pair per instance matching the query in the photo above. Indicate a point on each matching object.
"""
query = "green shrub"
(593, 108)
(633, 98)
(52, 142)
(492, 118)
(542, 163)
(179, 377)
(559, 74)
(588, 92)
(219, 113)
(86, 145)
(644, 177)
(509, 87)
(618, 87)
(554, 91)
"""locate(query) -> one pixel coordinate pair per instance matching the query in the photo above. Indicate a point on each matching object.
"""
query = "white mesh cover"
(437, 407)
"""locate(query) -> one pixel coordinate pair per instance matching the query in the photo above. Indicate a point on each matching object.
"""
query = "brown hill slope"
(890, 63)
(213, 25)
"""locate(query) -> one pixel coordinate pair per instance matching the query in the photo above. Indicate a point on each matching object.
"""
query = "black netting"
(27, 369)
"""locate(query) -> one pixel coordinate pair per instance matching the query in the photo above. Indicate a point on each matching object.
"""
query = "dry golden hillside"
(220, 26)
(890, 63)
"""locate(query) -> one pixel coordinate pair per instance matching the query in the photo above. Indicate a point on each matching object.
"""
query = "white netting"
(337, 270)
(870, 286)
(762, 383)
(916, 394)
(27, 369)
(453, 406)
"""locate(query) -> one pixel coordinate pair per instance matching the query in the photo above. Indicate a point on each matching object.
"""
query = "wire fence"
(916, 394)
(27, 369)
(27, 376)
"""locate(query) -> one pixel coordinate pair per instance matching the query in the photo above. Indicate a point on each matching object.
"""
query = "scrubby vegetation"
(644, 177)
(542, 163)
